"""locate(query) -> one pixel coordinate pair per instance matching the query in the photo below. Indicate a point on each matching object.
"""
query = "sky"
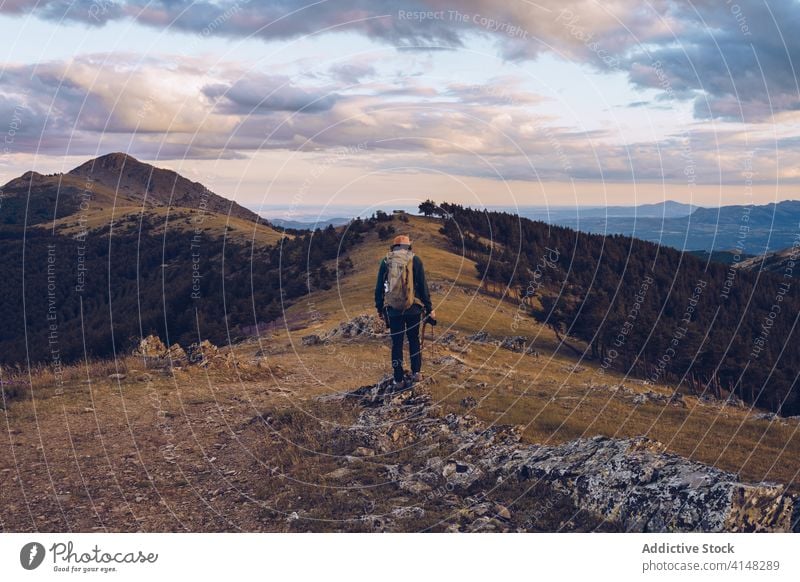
(384, 103)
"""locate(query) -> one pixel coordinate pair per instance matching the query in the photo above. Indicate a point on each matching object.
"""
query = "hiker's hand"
(432, 314)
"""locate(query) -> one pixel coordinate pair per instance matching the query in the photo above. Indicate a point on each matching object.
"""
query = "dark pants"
(407, 324)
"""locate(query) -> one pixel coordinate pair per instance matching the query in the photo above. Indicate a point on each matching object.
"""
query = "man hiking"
(402, 298)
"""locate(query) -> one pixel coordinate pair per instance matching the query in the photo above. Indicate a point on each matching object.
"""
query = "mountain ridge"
(751, 229)
(139, 180)
(109, 182)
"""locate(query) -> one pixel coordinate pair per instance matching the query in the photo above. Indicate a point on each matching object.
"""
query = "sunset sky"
(384, 102)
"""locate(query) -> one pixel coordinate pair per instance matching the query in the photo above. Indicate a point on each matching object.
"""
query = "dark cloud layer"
(737, 60)
(258, 94)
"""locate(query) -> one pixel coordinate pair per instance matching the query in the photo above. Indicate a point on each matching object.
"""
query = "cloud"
(275, 20)
(264, 93)
(172, 107)
(98, 102)
(718, 54)
(352, 73)
(495, 91)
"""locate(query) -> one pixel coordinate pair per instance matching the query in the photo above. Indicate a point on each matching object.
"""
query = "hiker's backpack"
(399, 285)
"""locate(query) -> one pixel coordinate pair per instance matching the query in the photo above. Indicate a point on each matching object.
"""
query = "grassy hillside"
(554, 399)
(186, 448)
(187, 220)
(646, 309)
(119, 189)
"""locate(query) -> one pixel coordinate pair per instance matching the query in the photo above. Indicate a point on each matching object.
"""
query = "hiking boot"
(398, 385)
(415, 378)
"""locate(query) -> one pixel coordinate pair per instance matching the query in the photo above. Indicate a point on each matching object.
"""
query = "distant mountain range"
(751, 229)
(727, 233)
(666, 209)
(308, 225)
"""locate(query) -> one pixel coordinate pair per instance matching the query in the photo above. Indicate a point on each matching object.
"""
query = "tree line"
(649, 311)
(64, 298)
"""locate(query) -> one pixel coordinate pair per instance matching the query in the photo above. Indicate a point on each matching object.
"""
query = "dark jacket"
(420, 289)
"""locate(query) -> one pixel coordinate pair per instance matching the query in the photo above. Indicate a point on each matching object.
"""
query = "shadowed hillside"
(118, 249)
(650, 311)
(148, 185)
(117, 188)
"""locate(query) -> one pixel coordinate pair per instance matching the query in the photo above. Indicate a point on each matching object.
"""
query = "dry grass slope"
(189, 448)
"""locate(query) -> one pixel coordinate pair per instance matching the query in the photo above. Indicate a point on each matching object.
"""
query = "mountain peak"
(112, 161)
(150, 185)
(31, 176)
(116, 158)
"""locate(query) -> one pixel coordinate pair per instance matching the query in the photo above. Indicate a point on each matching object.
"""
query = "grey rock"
(410, 512)
(469, 402)
(631, 482)
(448, 338)
(677, 399)
(518, 344)
(151, 347)
(201, 354)
(771, 416)
(361, 326)
(311, 340)
(176, 355)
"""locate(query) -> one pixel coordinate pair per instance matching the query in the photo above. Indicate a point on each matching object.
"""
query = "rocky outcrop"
(676, 398)
(361, 326)
(630, 483)
(150, 347)
(519, 344)
(177, 355)
(479, 337)
(311, 340)
(640, 397)
(635, 483)
(367, 326)
(204, 354)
